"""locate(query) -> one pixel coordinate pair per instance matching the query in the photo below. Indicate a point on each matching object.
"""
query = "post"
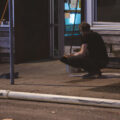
(51, 28)
(89, 11)
(61, 27)
(11, 42)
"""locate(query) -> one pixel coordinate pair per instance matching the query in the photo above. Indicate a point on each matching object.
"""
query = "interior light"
(72, 18)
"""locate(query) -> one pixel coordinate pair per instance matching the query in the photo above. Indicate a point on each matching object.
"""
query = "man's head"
(84, 27)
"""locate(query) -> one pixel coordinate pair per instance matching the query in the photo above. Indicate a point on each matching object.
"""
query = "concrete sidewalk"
(50, 77)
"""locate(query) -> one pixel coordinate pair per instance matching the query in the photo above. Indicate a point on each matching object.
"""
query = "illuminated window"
(72, 17)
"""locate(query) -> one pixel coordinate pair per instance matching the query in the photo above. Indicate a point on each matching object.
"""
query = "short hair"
(84, 27)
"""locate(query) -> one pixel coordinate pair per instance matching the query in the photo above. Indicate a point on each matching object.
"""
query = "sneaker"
(92, 75)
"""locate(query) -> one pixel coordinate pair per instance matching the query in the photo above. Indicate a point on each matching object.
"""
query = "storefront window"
(108, 10)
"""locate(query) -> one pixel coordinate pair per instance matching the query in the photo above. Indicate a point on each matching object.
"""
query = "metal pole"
(61, 27)
(51, 28)
(11, 42)
(95, 10)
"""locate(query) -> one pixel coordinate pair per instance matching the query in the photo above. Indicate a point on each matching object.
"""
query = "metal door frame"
(60, 28)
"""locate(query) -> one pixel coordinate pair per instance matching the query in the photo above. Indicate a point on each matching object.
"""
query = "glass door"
(65, 17)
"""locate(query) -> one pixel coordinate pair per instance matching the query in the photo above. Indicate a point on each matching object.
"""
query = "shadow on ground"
(113, 88)
(105, 77)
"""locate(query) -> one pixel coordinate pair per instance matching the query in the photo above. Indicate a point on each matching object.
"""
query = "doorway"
(65, 17)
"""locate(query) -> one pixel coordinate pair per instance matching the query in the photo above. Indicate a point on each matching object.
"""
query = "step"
(4, 42)
(4, 34)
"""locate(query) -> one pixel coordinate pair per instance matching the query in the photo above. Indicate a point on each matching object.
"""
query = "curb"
(6, 94)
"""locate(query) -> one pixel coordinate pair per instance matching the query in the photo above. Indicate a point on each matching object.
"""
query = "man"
(92, 55)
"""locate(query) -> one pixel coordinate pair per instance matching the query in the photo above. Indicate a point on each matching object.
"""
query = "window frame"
(91, 18)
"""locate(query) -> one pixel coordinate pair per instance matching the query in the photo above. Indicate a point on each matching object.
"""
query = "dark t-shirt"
(96, 46)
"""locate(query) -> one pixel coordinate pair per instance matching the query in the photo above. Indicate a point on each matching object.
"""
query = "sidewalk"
(50, 77)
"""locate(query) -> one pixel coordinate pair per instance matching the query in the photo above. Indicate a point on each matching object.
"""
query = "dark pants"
(89, 64)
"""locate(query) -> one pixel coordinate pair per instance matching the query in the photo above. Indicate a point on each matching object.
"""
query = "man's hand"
(76, 54)
(66, 56)
(82, 51)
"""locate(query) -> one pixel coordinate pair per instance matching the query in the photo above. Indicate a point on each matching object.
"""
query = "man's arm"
(82, 51)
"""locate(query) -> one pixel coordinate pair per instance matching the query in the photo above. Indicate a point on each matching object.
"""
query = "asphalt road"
(50, 77)
(27, 110)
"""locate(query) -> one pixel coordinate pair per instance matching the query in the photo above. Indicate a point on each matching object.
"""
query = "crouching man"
(92, 56)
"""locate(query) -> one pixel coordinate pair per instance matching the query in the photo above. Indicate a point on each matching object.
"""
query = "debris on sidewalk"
(7, 75)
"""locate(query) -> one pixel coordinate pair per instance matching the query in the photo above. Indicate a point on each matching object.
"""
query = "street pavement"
(50, 77)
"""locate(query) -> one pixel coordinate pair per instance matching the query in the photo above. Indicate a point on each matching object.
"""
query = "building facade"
(42, 29)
